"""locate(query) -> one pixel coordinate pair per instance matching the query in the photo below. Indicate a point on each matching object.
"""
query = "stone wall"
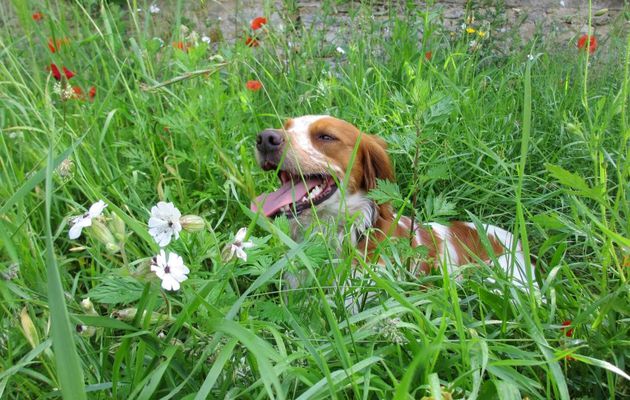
(561, 19)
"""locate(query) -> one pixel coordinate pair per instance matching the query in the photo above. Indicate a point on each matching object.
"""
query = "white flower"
(340, 50)
(154, 9)
(530, 57)
(206, 39)
(82, 221)
(237, 246)
(170, 269)
(562, 3)
(164, 223)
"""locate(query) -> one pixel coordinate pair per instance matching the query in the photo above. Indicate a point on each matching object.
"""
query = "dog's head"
(313, 155)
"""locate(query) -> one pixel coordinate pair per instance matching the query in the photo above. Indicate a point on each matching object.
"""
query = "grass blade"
(69, 371)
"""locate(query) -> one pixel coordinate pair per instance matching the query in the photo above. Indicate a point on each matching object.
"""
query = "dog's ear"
(375, 161)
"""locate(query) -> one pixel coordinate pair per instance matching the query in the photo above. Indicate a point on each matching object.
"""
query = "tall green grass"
(535, 144)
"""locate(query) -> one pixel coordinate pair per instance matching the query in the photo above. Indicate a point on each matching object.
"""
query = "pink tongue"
(288, 192)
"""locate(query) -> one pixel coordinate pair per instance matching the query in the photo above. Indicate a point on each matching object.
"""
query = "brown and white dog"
(316, 154)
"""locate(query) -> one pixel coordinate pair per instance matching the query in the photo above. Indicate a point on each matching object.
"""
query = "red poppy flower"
(251, 42)
(568, 332)
(92, 92)
(37, 16)
(587, 39)
(69, 74)
(181, 46)
(254, 86)
(258, 22)
(55, 72)
(428, 55)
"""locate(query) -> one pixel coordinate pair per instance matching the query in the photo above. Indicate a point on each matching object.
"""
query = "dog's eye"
(326, 138)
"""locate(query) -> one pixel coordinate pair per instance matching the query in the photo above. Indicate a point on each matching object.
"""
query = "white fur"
(512, 262)
(447, 253)
(337, 211)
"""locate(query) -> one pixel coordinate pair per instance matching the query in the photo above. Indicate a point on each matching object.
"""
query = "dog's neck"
(356, 210)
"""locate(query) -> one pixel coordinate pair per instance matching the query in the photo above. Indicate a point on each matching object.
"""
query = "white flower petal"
(241, 254)
(247, 245)
(75, 231)
(97, 209)
(157, 222)
(164, 223)
(169, 283)
(240, 235)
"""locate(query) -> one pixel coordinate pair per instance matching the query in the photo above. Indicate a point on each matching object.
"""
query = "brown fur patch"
(468, 245)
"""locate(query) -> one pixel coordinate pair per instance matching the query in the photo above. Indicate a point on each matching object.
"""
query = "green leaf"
(438, 206)
(602, 364)
(386, 192)
(117, 290)
(69, 371)
(575, 182)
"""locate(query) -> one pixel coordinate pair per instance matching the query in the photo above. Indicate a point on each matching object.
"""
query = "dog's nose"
(269, 141)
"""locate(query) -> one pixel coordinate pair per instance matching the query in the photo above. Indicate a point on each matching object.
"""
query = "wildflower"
(64, 91)
(340, 50)
(530, 57)
(69, 74)
(154, 9)
(482, 34)
(592, 43)
(428, 55)
(170, 269)
(206, 39)
(37, 16)
(164, 223)
(568, 332)
(237, 246)
(85, 220)
(181, 46)
(55, 72)
(562, 3)
(56, 45)
(470, 30)
(258, 22)
(66, 168)
(254, 86)
(251, 42)
(192, 223)
(78, 92)
(92, 92)
(389, 330)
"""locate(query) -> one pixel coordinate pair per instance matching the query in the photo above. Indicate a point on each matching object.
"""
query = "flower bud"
(105, 236)
(601, 12)
(88, 306)
(126, 314)
(85, 330)
(129, 314)
(30, 332)
(192, 223)
(118, 227)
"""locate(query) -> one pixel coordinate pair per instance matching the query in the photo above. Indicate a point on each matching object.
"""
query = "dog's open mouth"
(296, 194)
